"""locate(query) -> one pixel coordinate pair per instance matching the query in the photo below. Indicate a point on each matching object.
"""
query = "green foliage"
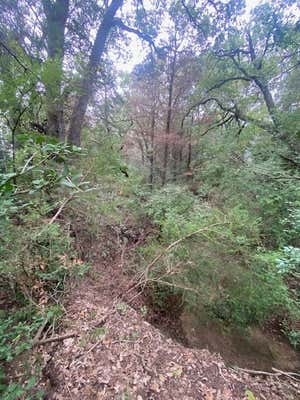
(234, 242)
(17, 331)
(41, 168)
(114, 195)
(294, 338)
(19, 328)
(259, 293)
(170, 200)
(35, 258)
(249, 173)
(15, 391)
(219, 269)
(289, 261)
(250, 395)
(36, 253)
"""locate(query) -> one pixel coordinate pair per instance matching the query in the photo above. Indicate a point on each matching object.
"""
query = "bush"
(36, 259)
(219, 269)
(36, 252)
(169, 200)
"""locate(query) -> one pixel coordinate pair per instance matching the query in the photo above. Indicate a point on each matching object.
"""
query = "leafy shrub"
(289, 260)
(253, 298)
(294, 338)
(17, 330)
(168, 200)
(218, 268)
(36, 252)
(36, 259)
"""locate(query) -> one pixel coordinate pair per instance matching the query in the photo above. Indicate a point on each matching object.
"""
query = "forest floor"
(116, 354)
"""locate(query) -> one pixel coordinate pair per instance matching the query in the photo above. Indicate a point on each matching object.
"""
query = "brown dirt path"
(118, 355)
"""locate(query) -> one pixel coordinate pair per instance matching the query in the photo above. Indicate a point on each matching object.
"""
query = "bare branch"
(222, 122)
(55, 339)
(10, 52)
(174, 244)
(224, 81)
(144, 36)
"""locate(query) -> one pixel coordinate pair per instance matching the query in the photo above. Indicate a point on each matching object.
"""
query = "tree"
(56, 30)
(157, 101)
(56, 17)
(145, 109)
(246, 69)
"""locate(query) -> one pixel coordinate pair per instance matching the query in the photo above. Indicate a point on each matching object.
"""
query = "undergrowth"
(242, 265)
(37, 257)
(235, 261)
(228, 268)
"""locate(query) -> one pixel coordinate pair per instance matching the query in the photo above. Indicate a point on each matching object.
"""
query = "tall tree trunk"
(87, 83)
(151, 155)
(189, 155)
(169, 116)
(56, 17)
(175, 157)
(261, 82)
(181, 146)
(269, 101)
(106, 110)
(141, 143)
(3, 166)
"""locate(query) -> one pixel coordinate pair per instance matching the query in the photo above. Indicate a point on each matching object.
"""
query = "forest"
(149, 199)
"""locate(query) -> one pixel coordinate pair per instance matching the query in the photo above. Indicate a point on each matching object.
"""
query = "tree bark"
(189, 155)
(151, 155)
(56, 17)
(169, 116)
(87, 83)
(268, 98)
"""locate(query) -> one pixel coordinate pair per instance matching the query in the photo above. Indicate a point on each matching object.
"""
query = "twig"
(102, 321)
(64, 203)
(160, 255)
(282, 372)
(174, 285)
(10, 52)
(55, 339)
(277, 372)
(289, 374)
(69, 391)
(27, 163)
(40, 331)
(93, 346)
(254, 372)
(139, 277)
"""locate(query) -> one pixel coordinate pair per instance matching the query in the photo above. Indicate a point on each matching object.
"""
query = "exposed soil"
(253, 348)
(119, 355)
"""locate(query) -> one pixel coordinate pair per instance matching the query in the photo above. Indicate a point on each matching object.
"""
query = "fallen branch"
(143, 276)
(55, 339)
(40, 331)
(93, 347)
(289, 374)
(64, 203)
(277, 372)
(160, 255)
(173, 285)
(254, 372)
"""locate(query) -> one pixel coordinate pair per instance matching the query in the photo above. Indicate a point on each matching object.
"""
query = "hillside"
(149, 199)
(117, 354)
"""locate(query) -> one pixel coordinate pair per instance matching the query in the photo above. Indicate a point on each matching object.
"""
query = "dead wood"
(55, 339)
(277, 372)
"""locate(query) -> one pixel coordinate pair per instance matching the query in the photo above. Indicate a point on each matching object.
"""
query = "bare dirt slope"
(118, 355)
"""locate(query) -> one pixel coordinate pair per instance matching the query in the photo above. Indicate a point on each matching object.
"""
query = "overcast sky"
(138, 49)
